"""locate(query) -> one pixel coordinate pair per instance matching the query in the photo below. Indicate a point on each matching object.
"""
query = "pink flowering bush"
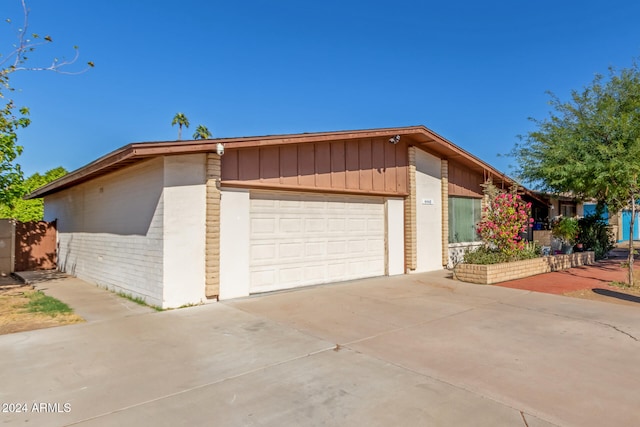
(505, 217)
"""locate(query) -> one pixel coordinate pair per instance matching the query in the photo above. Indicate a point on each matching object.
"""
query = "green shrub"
(486, 255)
(594, 234)
(566, 229)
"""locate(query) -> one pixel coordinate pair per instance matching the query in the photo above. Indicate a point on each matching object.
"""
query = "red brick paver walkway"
(594, 279)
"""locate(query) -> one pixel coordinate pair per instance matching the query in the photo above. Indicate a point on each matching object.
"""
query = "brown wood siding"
(360, 166)
(464, 182)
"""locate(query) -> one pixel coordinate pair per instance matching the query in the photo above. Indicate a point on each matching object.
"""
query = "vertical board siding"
(366, 178)
(230, 165)
(390, 179)
(288, 165)
(464, 182)
(352, 163)
(365, 165)
(323, 165)
(377, 166)
(338, 165)
(306, 165)
(249, 165)
(269, 164)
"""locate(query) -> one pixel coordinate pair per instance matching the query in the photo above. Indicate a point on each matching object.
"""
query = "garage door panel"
(266, 251)
(375, 226)
(262, 278)
(291, 251)
(373, 245)
(336, 225)
(263, 226)
(315, 225)
(337, 247)
(290, 225)
(315, 249)
(302, 239)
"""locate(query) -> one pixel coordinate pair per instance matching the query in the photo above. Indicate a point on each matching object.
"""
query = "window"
(464, 214)
(567, 210)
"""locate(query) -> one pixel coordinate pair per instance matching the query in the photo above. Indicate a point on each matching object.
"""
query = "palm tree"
(180, 120)
(202, 133)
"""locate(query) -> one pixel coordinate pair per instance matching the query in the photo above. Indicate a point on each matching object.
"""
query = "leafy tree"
(10, 171)
(12, 118)
(202, 132)
(30, 210)
(180, 120)
(590, 145)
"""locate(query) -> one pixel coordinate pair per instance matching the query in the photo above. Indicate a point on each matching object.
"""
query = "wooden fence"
(27, 246)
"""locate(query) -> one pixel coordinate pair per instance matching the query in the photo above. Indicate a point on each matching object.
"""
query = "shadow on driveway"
(615, 294)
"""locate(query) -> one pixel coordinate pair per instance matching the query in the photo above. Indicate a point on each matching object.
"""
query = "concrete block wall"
(110, 230)
(495, 273)
(410, 240)
(444, 183)
(212, 281)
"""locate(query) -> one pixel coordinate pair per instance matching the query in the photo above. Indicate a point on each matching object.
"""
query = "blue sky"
(471, 71)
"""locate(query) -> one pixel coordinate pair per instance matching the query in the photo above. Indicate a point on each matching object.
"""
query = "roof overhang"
(419, 136)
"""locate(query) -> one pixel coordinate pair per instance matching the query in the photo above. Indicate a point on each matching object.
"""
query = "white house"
(175, 223)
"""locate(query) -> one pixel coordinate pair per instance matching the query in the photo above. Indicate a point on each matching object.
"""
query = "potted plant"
(566, 230)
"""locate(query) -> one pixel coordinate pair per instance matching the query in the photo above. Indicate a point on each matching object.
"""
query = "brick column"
(212, 253)
(444, 182)
(410, 238)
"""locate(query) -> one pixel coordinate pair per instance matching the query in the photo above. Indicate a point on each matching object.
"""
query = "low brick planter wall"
(495, 273)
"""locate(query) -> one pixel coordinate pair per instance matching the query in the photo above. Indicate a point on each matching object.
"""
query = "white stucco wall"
(184, 234)
(234, 243)
(428, 212)
(140, 230)
(110, 230)
(395, 236)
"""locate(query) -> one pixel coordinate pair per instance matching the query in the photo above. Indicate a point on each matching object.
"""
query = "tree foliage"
(10, 171)
(181, 120)
(12, 118)
(589, 145)
(30, 210)
(202, 132)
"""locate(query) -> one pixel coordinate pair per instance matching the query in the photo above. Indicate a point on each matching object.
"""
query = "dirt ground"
(15, 318)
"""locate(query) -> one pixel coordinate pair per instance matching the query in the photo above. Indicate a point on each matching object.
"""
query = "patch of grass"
(138, 300)
(24, 309)
(621, 285)
(41, 303)
(189, 305)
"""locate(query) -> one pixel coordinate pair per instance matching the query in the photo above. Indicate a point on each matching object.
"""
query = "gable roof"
(135, 152)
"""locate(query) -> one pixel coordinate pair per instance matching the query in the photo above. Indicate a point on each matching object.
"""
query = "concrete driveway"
(410, 350)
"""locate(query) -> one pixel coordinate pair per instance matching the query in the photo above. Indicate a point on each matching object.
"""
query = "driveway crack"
(574, 318)
(619, 330)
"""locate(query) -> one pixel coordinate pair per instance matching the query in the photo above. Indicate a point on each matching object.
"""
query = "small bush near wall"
(487, 255)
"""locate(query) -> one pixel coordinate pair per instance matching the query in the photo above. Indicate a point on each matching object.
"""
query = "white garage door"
(298, 240)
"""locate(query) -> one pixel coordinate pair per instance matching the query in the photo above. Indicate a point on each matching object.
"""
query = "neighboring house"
(175, 223)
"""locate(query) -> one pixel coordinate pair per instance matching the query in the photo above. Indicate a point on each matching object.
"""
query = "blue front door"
(626, 221)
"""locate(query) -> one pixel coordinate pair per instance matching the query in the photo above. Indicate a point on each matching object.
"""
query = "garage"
(298, 239)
